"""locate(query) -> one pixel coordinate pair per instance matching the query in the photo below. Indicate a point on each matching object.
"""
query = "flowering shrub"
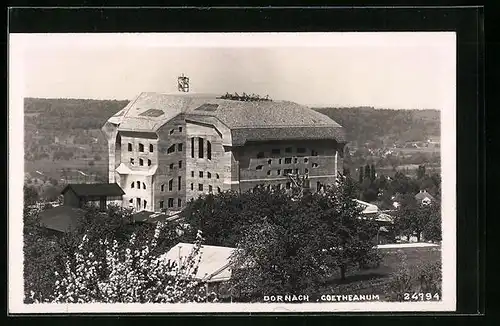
(130, 273)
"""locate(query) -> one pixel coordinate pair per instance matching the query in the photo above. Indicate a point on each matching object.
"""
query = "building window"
(161, 204)
(145, 203)
(287, 171)
(218, 189)
(192, 174)
(296, 171)
(288, 185)
(141, 148)
(171, 166)
(315, 165)
(180, 129)
(171, 149)
(179, 178)
(278, 172)
(210, 189)
(131, 200)
(138, 185)
(192, 186)
(170, 184)
(200, 186)
(318, 186)
(217, 176)
(200, 147)
(306, 160)
(301, 150)
(269, 161)
(259, 167)
(143, 185)
(151, 148)
(149, 162)
(132, 185)
(131, 161)
(278, 186)
(179, 202)
(288, 150)
(276, 151)
(260, 155)
(209, 150)
(141, 162)
(279, 161)
(179, 147)
(201, 174)
(192, 147)
(306, 171)
(180, 164)
(171, 131)
(268, 172)
(288, 160)
(170, 202)
(209, 175)
(314, 153)
(129, 147)
(162, 187)
(138, 203)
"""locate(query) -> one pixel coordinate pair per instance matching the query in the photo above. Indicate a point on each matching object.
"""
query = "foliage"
(129, 274)
(425, 278)
(286, 245)
(30, 195)
(414, 218)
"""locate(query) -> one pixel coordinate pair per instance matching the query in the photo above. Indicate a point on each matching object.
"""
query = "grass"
(376, 281)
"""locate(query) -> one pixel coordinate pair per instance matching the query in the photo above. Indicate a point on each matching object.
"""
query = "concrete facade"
(164, 162)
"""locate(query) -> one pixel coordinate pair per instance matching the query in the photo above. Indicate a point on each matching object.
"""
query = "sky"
(382, 70)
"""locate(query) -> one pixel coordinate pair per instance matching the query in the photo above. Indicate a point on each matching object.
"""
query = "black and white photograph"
(232, 172)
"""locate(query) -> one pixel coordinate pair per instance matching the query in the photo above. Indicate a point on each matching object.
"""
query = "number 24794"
(421, 296)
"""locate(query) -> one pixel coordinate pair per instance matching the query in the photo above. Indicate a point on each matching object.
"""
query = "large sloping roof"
(61, 218)
(214, 264)
(95, 189)
(248, 121)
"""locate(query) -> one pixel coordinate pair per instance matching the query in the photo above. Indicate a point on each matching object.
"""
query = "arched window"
(141, 148)
(151, 148)
(209, 150)
(132, 184)
(141, 162)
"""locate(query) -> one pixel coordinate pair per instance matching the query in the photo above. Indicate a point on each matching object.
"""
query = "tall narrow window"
(161, 204)
(295, 160)
(179, 178)
(163, 187)
(145, 203)
(171, 166)
(170, 184)
(269, 161)
(296, 171)
(179, 202)
(149, 162)
(192, 186)
(131, 161)
(141, 162)
(210, 189)
(278, 172)
(132, 185)
(209, 150)
(201, 174)
(141, 148)
(288, 185)
(180, 164)
(268, 172)
(143, 185)
(129, 147)
(151, 148)
(170, 202)
(138, 185)
(179, 147)
(200, 186)
(209, 175)
(217, 176)
(279, 161)
(218, 189)
(192, 174)
(200, 147)
(180, 129)
(318, 186)
(192, 147)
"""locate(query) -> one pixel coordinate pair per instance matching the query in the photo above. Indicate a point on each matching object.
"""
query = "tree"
(30, 195)
(421, 171)
(367, 172)
(361, 175)
(373, 173)
(414, 218)
(130, 274)
(307, 243)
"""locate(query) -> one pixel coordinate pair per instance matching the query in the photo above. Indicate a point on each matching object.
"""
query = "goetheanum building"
(165, 150)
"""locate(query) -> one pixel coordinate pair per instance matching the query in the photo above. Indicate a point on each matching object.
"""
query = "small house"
(98, 194)
(424, 198)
